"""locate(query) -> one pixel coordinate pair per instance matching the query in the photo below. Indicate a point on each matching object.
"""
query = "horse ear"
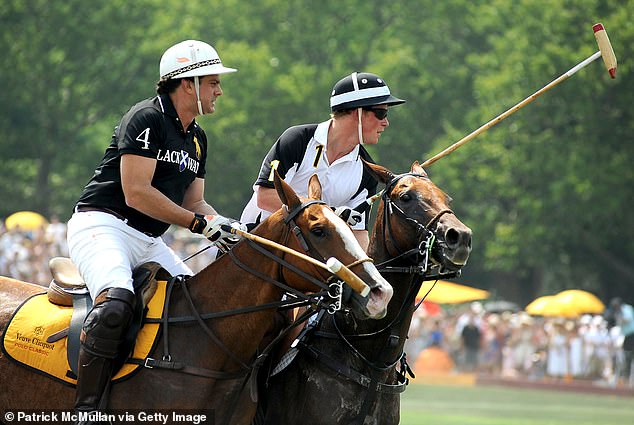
(285, 192)
(418, 169)
(379, 172)
(314, 187)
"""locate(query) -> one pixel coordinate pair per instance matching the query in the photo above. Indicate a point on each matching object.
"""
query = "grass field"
(490, 405)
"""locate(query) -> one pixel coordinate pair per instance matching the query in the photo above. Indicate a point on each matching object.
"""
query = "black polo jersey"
(152, 129)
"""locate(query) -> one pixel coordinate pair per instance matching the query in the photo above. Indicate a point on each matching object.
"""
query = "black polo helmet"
(361, 89)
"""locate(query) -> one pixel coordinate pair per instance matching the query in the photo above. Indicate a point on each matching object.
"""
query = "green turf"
(491, 405)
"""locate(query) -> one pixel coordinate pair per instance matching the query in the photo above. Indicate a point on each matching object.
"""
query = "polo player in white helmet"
(151, 176)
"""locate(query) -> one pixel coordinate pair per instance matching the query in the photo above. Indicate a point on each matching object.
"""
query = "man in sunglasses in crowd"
(332, 149)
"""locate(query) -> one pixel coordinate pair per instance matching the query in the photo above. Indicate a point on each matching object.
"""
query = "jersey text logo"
(182, 158)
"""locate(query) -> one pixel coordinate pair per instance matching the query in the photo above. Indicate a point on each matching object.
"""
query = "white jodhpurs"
(106, 250)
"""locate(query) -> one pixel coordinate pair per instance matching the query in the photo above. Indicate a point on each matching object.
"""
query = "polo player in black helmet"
(333, 150)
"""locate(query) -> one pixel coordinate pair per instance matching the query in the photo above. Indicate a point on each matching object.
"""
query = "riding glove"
(211, 226)
(349, 215)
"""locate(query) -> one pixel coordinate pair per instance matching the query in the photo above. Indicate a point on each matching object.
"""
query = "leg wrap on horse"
(101, 340)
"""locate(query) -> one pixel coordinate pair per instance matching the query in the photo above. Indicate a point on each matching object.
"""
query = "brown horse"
(223, 285)
(347, 371)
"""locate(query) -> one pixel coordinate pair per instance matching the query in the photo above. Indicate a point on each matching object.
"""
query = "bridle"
(420, 258)
(335, 286)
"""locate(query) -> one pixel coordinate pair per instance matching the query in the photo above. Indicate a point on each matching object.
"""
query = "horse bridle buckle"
(335, 292)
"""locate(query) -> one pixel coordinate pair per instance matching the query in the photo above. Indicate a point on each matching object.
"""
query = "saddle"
(67, 283)
(43, 333)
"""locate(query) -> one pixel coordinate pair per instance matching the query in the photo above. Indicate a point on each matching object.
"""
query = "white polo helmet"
(191, 58)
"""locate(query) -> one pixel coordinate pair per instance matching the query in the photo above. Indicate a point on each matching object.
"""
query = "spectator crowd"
(24, 254)
(515, 344)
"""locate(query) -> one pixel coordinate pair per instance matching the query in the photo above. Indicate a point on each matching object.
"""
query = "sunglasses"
(379, 113)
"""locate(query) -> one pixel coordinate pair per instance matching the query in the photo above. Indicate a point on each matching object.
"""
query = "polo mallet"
(332, 265)
(605, 51)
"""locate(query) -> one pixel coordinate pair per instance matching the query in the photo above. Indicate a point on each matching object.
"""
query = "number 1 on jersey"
(320, 150)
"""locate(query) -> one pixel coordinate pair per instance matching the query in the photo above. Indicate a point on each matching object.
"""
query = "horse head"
(318, 232)
(431, 224)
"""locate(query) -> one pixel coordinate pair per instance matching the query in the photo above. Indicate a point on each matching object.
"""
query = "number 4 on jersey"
(144, 138)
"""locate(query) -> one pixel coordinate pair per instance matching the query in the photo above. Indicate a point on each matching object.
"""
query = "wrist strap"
(198, 223)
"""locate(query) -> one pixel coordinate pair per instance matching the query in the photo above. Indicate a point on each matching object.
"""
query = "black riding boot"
(92, 383)
(101, 342)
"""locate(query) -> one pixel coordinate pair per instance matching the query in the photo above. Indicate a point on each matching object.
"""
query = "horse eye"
(406, 197)
(317, 231)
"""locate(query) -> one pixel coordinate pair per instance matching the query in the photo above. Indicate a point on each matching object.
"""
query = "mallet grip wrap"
(344, 273)
(605, 47)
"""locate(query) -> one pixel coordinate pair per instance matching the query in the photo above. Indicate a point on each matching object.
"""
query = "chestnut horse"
(242, 279)
(352, 372)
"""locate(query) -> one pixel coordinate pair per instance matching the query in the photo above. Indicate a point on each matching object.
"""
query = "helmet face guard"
(361, 89)
(191, 58)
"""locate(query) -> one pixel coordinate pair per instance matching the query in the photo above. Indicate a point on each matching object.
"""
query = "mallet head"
(609, 58)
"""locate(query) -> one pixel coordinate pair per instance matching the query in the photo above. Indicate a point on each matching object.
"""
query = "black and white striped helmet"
(361, 89)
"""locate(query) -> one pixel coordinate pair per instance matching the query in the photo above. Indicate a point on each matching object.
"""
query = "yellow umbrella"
(450, 293)
(580, 301)
(25, 220)
(549, 306)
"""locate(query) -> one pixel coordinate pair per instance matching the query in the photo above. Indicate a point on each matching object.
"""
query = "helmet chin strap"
(197, 84)
(360, 126)
(355, 85)
(200, 105)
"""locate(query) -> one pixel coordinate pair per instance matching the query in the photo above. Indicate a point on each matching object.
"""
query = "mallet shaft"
(344, 273)
(335, 266)
(605, 51)
(513, 109)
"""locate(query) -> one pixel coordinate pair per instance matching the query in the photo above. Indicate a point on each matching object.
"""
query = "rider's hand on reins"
(214, 228)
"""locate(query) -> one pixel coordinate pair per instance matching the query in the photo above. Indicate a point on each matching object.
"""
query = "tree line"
(547, 192)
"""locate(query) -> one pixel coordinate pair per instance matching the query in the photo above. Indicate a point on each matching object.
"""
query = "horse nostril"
(457, 237)
(382, 293)
(452, 237)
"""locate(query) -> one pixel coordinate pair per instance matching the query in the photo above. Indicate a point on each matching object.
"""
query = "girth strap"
(151, 363)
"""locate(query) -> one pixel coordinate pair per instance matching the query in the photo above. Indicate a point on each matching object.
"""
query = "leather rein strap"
(316, 299)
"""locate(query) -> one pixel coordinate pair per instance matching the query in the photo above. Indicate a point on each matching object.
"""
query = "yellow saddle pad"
(25, 338)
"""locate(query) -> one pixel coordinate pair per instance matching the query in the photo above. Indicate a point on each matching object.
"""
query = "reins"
(330, 296)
